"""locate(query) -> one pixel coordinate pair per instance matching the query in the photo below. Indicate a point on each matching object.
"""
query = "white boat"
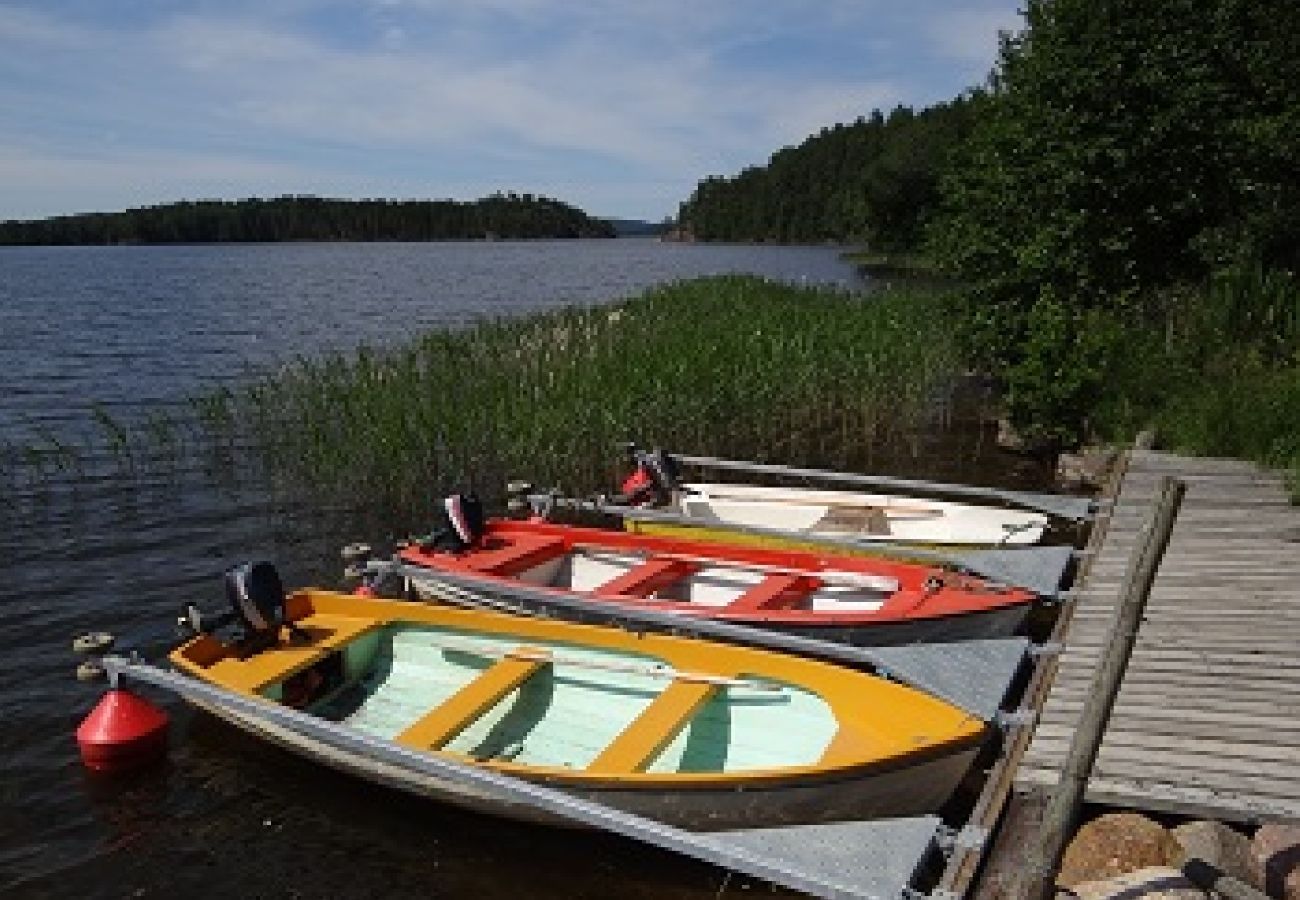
(851, 515)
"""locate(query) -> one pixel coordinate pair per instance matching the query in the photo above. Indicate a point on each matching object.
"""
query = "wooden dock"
(1207, 721)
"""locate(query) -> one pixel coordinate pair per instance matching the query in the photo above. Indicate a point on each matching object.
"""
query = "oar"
(897, 509)
(653, 671)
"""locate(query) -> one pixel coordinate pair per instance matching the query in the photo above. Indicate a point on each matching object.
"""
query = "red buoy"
(122, 732)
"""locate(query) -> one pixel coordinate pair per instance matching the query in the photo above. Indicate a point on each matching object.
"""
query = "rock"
(1008, 438)
(1155, 882)
(1087, 469)
(1114, 844)
(1275, 860)
(1217, 844)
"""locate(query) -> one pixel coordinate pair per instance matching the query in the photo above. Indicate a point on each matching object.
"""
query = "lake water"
(127, 326)
(138, 328)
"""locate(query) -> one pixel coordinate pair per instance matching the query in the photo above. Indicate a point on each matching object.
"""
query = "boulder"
(1086, 469)
(1008, 438)
(1217, 844)
(1114, 844)
(1274, 860)
(1153, 882)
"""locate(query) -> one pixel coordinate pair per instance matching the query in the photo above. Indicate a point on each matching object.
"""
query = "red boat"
(857, 600)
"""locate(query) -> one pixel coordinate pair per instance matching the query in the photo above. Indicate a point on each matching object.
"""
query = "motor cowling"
(653, 481)
(256, 596)
(461, 524)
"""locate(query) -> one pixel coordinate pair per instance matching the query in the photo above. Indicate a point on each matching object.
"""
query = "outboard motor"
(256, 597)
(461, 525)
(653, 482)
(255, 601)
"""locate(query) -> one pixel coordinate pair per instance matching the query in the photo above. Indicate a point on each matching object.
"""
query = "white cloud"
(970, 36)
(137, 172)
(465, 92)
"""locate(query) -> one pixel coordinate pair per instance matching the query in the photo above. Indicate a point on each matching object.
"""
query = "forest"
(1117, 207)
(300, 218)
(874, 181)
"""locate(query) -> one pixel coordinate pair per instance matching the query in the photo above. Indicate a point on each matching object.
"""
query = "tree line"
(874, 181)
(301, 218)
(1118, 202)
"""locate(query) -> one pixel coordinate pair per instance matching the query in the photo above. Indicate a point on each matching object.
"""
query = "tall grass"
(728, 365)
(1220, 372)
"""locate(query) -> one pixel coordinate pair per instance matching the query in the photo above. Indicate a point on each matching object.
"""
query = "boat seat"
(644, 579)
(326, 633)
(461, 709)
(522, 553)
(641, 741)
(776, 591)
(851, 520)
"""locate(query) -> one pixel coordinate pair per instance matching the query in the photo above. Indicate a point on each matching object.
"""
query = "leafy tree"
(1126, 145)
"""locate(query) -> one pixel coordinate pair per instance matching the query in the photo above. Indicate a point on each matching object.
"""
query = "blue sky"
(619, 107)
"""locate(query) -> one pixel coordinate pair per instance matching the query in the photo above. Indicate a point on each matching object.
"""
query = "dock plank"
(1207, 721)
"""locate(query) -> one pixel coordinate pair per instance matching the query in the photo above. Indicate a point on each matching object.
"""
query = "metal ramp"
(881, 859)
(852, 860)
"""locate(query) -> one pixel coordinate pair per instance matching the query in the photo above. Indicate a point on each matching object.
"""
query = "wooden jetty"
(1207, 721)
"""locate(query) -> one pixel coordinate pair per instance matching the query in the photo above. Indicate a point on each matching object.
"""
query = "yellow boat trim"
(654, 729)
(325, 634)
(461, 709)
(893, 550)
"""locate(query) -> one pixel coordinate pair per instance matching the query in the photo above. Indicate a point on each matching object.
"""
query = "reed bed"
(728, 365)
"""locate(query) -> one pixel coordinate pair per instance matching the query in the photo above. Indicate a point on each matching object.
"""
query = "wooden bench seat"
(449, 718)
(776, 591)
(326, 632)
(638, 744)
(644, 579)
(522, 553)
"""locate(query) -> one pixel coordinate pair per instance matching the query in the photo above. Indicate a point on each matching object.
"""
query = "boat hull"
(883, 519)
(696, 734)
(918, 788)
(579, 572)
(992, 623)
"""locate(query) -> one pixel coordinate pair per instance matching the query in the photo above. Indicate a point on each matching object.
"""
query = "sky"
(615, 106)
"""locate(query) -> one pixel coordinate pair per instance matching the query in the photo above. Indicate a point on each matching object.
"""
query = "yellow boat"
(693, 733)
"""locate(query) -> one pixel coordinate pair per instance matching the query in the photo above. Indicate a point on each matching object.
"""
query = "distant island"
(302, 218)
